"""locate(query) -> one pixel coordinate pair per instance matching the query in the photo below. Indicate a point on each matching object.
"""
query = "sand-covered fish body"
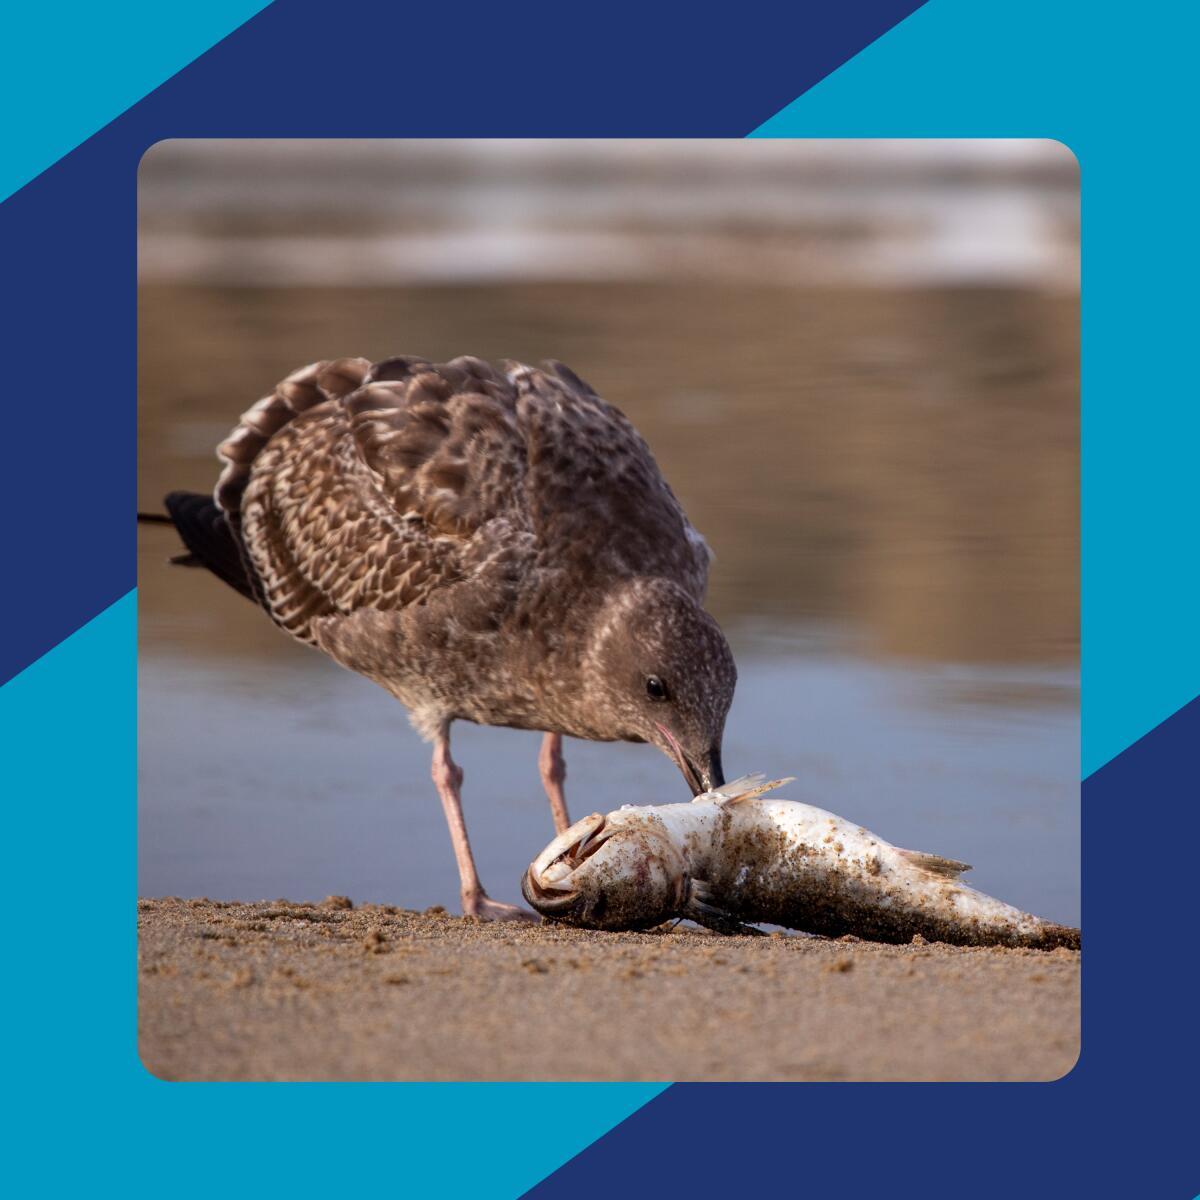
(731, 858)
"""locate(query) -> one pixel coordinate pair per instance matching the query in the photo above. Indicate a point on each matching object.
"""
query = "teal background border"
(71, 67)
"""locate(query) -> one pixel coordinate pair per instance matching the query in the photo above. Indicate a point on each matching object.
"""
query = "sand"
(328, 991)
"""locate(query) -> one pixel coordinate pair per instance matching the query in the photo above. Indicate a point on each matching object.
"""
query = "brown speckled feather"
(372, 487)
(595, 494)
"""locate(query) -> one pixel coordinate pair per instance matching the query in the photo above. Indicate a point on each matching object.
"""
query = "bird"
(490, 543)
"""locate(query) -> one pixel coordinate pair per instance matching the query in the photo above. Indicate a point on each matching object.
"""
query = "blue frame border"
(1115, 92)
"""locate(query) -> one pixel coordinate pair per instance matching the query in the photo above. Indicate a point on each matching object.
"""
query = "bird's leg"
(447, 778)
(554, 771)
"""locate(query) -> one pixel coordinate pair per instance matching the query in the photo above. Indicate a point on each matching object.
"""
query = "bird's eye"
(655, 688)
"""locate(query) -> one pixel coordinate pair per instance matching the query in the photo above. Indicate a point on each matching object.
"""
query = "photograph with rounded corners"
(608, 610)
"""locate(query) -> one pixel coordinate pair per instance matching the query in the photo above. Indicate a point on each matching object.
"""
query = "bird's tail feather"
(209, 540)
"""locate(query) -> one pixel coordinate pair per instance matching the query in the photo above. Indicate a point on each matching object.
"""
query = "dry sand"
(326, 991)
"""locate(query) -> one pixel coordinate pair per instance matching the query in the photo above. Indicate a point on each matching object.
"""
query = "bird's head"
(664, 673)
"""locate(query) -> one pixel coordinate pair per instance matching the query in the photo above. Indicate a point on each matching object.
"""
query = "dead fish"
(729, 859)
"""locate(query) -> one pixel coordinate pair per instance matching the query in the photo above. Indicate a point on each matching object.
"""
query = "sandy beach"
(279, 990)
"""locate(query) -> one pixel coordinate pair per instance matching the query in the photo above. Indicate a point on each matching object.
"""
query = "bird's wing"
(462, 445)
(397, 479)
(372, 486)
(441, 441)
(593, 489)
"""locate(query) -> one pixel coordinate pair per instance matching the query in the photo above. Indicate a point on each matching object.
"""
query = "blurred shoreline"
(393, 213)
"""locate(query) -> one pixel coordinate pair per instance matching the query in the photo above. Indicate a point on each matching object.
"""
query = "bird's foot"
(482, 906)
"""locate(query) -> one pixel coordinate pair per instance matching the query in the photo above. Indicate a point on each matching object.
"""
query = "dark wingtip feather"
(210, 541)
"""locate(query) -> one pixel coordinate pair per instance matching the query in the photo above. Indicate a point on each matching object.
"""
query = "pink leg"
(447, 778)
(554, 771)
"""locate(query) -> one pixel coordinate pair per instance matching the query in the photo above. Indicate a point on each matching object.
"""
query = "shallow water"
(888, 478)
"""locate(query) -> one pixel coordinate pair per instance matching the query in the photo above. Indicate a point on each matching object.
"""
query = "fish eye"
(655, 688)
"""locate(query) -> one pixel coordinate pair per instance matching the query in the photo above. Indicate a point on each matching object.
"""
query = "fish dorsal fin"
(947, 868)
(745, 788)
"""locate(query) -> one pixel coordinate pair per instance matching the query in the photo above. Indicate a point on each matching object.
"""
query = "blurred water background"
(857, 364)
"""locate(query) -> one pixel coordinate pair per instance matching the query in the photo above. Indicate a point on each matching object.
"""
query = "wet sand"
(278, 990)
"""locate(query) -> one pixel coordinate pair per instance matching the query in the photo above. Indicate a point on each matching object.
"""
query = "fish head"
(619, 871)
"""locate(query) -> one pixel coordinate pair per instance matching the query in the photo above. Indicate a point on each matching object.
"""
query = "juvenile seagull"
(489, 543)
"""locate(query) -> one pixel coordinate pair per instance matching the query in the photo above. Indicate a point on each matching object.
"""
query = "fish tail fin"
(1051, 936)
(934, 864)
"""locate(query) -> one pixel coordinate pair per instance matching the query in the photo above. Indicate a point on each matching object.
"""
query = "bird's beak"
(702, 775)
(709, 773)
